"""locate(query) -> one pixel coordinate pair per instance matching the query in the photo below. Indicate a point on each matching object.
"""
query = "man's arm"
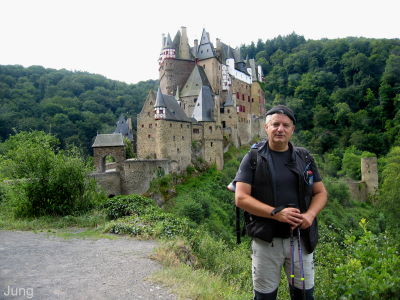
(244, 200)
(318, 202)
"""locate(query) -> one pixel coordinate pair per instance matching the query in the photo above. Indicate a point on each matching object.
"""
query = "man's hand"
(290, 215)
(308, 219)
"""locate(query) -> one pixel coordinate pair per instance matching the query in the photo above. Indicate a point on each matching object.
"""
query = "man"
(282, 193)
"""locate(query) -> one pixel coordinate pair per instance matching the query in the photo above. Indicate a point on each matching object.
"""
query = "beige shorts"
(268, 259)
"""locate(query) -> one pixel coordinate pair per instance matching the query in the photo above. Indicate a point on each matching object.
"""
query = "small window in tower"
(196, 131)
(204, 67)
(156, 124)
(181, 125)
(194, 100)
(173, 138)
(187, 125)
(243, 97)
(151, 102)
(177, 150)
(237, 95)
(223, 124)
(228, 111)
(149, 136)
(142, 125)
(210, 127)
(170, 124)
(248, 98)
(211, 144)
(183, 138)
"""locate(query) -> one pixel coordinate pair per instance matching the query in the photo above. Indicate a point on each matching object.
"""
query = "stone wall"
(212, 68)
(146, 137)
(138, 173)
(369, 173)
(174, 142)
(109, 181)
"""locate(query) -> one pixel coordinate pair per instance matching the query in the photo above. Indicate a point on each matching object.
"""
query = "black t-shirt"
(286, 186)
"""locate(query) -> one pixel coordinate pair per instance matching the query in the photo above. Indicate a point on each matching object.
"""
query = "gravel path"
(41, 266)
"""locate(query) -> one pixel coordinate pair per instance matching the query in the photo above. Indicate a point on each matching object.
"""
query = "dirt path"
(38, 266)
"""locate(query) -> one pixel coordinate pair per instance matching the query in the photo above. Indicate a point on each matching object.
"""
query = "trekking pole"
(292, 257)
(301, 263)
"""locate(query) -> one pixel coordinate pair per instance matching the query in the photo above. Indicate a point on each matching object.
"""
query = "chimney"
(162, 41)
(218, 45)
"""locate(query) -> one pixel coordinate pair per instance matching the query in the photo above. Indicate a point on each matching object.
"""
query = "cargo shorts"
(268, 259)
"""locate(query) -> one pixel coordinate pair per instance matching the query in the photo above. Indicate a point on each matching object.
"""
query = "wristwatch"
(277, 209)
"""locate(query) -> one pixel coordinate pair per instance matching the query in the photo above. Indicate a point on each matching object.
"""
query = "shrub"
(121, 206)
(46, 181)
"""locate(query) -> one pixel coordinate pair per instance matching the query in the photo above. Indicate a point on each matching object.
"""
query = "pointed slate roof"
(206, 48)
(108, 140)
(173, 110)
(203, 111)
(196, 80)
(168, 43)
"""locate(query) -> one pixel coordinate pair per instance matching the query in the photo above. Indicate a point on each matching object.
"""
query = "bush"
(44, 180)
(121, 206)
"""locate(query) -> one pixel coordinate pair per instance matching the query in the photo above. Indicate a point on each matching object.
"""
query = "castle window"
(204, 67)
(151, 102)
(177, 150)
(243, 97)
(221, 110)
(181, 125)
(156, 124)
(183, 138)
(248, 98)
(228, 111)
(210, 127)
(148, 114)
(170, 124)
(173, 138)
(150, 125)
(187, 125)
(149, 136)
(223, 124)
(211, 144)
(142, 125)
(237, 95)
(196, 131)
(194, 100)
(252, 99)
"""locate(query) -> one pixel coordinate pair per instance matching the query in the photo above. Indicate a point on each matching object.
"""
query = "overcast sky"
(121, 39)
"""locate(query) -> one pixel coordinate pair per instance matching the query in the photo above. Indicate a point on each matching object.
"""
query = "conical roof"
(196, 80)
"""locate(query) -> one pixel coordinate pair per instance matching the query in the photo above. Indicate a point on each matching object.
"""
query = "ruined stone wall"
(137, 174)
(369, 173)
(173, 73)
(174, 141)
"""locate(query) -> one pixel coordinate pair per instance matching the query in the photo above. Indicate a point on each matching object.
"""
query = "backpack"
(304, 154)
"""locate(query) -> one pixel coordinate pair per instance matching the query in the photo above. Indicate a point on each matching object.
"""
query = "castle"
(209, 98)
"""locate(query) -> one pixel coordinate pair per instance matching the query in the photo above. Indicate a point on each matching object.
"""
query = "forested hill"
(344, 91)
(72, 105)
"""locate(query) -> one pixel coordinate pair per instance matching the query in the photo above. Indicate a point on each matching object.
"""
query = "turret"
(160, 107)
(168, 50)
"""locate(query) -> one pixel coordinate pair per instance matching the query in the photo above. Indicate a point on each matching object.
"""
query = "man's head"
(279, 126)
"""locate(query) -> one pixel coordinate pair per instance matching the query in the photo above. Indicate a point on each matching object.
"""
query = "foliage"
(370, 267)
(390, 188)
(44, 180)
(139, 216)
(343, 91)
(73, 106)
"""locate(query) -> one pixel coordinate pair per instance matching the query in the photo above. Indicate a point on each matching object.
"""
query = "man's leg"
(267, 261)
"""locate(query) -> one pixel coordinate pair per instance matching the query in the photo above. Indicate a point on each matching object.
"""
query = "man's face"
(279, 130)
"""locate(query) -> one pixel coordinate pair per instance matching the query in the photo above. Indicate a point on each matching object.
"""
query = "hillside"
(344, 91)
(74, 106)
